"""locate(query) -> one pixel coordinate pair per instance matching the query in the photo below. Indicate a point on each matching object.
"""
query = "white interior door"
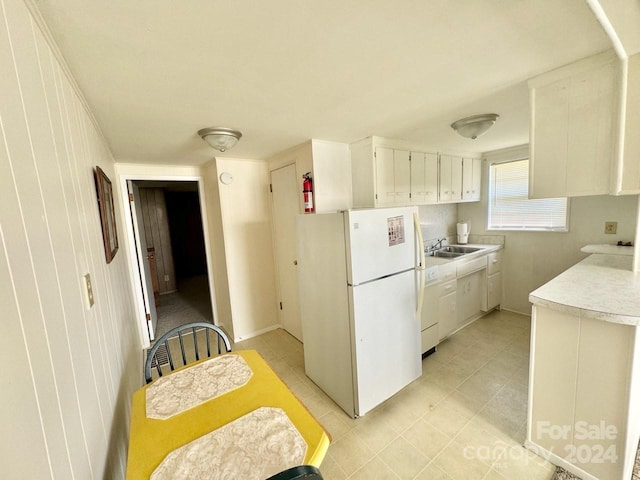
(285, 187)
(143, 264)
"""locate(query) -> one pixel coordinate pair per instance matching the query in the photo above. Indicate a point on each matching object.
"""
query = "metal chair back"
(165, 350)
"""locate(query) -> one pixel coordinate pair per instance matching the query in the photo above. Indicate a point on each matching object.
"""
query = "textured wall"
(68, 371)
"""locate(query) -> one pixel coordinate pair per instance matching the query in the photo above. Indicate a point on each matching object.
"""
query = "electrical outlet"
(166, 278)
(610, 227)
(88, 291)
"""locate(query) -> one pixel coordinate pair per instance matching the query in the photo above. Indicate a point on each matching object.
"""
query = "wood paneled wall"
(156, 230)
(68, 371)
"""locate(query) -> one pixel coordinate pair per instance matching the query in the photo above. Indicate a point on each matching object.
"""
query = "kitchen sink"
(452, 251)
(445, 254)
(459, 249)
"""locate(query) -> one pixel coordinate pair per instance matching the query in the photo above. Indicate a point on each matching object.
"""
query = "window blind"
(509, 205)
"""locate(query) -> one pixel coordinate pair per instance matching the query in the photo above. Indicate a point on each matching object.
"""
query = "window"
(509, 205)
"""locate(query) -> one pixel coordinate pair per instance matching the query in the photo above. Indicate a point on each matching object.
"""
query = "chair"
(155, 355)
(299, 472)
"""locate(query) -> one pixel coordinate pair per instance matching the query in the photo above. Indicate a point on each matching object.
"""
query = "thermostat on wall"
(226, 178)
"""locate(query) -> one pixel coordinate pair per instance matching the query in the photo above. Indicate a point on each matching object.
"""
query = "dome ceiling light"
(220, 138)
(474, 126)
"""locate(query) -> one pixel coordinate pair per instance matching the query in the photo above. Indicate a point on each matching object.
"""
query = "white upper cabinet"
(424, 178)
(627, 162)
(386, 173)
(385, 193)
(471, 179)
(392, 176)
(450, 179)
(572, 138)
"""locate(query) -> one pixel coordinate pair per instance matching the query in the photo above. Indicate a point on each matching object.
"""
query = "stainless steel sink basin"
(453, 251)
(459, 249)
(445, 254)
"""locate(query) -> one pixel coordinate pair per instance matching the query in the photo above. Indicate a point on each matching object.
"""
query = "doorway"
(175, 268)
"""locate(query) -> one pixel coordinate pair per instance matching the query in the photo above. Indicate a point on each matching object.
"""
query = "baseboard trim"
(559, 461)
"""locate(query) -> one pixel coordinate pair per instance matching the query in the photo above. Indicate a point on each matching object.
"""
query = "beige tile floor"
(464, 419)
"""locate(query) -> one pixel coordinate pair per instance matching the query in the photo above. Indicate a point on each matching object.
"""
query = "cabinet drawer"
(494, 263)
(429, 338)
(446, 288)
(447, 272)
(471, 266)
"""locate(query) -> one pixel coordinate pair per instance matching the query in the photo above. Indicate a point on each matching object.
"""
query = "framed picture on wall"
(107, 214)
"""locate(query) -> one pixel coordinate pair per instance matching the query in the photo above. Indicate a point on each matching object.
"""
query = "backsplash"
(486, 239)
(439, 221)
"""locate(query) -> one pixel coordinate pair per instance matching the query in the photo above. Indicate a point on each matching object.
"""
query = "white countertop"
(607, 249)
(601, 286)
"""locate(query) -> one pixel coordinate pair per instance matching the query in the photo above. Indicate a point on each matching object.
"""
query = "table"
(152, 439)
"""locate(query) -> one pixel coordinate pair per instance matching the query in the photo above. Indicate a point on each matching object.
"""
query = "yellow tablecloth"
(151, 440)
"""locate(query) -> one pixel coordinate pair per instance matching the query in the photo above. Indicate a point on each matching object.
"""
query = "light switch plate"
(88, 291)
(610, 227)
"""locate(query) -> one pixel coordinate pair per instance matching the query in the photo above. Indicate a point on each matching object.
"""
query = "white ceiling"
(283, 71)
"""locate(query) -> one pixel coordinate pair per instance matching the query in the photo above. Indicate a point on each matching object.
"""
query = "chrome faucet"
(437, 245)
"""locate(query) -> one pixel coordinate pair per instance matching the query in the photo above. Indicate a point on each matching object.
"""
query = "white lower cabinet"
(583, 393)
(467, 288)
(494, 290)
(469, 297)
(494, 281)
(447, 309)
(429, 319)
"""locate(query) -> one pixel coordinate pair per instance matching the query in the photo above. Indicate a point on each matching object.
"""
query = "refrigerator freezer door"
(382, 242)
(386, 337)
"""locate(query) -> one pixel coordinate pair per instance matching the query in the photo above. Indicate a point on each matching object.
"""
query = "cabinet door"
(548, 163)
(572, 129)
(471, 176)
(494, 290)
(628, 156)
(469, 296)
(444, 180)
(590, 135)
(467, 178)
(402, 176)
(456, 179)
(448, 315)
(424, 178)
(450, 180)
(385, 189)
(431, 177)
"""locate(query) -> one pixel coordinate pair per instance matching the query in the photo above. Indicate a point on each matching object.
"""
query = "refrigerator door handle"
(420, 268)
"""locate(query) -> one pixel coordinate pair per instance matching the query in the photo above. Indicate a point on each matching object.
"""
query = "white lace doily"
(255, 446)
(185, 389)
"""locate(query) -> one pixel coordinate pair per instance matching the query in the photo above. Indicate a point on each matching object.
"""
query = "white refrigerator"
(359, 274)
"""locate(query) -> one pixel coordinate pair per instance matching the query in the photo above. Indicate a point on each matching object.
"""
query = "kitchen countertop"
(602, 287)
(607, 249)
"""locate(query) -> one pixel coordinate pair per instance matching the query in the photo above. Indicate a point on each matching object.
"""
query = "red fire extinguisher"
(307, 192)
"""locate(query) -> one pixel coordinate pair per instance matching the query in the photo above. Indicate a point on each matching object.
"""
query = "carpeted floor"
(190, 303)
(562, 474)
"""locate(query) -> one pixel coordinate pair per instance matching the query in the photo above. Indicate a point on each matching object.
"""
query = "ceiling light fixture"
(473, 127)
(220, 138)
